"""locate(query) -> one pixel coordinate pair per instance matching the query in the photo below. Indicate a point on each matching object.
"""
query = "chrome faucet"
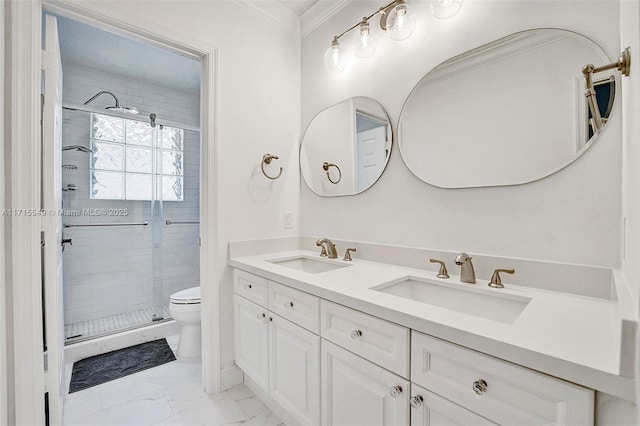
(328, 248)
(467, 274)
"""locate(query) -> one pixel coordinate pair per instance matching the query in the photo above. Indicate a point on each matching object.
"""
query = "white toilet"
(185, 309)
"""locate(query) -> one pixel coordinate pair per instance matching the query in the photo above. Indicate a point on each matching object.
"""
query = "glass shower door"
(177, 254)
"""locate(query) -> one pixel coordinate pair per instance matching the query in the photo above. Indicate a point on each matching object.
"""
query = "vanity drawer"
(498, 390)
(379, 341)
(250, 287)
(295, 305)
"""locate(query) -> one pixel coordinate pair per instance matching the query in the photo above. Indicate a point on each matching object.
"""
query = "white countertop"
(569, 336)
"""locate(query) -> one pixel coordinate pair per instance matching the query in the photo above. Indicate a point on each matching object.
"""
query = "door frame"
(24, 244)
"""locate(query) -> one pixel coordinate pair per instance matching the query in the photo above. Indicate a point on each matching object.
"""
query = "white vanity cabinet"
(356, 392)
(326, 363)
(279, 356)
(502, 392)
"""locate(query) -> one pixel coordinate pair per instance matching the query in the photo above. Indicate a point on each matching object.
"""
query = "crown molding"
(271, 11)
(319, 13)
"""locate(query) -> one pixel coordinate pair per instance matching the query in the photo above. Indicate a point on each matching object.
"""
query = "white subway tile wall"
(109, 271)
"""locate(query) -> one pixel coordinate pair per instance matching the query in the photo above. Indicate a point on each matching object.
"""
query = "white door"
(372, 155)
(356, 392)
(429, 409)
(295, 369)
(252, 340)
(52, 221)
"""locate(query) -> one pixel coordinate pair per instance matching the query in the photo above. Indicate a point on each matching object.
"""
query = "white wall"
(630, 36)
(4, 394)
(109, 271)
(258, 100)
(572, 216)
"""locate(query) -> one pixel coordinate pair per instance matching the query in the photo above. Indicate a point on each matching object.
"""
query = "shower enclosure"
(130, 219)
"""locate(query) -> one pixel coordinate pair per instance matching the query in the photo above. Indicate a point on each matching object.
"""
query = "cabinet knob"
(395, 391)
(416, 401)
(288, 304)
(248, 286)
(262, 315)
(480, 386)
(356, 334)
(270, 319)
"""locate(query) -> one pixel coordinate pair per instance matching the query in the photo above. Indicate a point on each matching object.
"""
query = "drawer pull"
(480, 386)
(417, 401)
(262, 316)
(270, 319)
(356, 334)
(395, 391)
(288, 305)
(248, 286)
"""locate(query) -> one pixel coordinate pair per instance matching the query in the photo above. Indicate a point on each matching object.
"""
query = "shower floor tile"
(110, 324)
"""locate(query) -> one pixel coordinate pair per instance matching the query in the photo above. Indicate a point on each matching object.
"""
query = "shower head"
(78, 148)
(116, 107)
(123, 109)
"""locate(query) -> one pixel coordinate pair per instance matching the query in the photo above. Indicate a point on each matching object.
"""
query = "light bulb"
(400, 22)
(444, 9)
(365, 40)
(334, 57)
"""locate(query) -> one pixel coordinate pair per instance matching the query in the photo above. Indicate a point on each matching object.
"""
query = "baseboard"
(230, 377)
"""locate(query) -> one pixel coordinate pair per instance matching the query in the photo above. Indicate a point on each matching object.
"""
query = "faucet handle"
(442, 273)
(496, 281)
(347, 254)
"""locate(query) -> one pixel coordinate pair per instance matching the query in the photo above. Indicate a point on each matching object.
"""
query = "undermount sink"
(487, 304)
(309, 264)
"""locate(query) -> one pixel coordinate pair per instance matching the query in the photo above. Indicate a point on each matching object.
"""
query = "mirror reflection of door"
(605, 94)
(371, 147)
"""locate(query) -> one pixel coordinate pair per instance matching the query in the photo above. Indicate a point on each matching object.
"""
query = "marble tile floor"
(168, 395)
(82, 329)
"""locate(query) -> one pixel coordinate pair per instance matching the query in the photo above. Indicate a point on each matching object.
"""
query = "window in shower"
(128, 154)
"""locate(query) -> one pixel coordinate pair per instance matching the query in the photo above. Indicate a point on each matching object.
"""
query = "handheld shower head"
(116, 107)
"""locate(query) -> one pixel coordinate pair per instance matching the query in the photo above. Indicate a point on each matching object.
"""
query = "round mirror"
(346, 147)
(509, 112)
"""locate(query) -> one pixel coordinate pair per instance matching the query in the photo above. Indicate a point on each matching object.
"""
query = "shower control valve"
(66, 241)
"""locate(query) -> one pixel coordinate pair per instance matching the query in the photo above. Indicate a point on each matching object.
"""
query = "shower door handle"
(66, 241)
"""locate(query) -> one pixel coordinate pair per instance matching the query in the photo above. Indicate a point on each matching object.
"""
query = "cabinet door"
(252, 340)
(356, 392)
(294, 359)
(429, 409)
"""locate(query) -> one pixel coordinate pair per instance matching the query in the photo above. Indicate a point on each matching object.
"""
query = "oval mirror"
(509, 112)
(346, 147)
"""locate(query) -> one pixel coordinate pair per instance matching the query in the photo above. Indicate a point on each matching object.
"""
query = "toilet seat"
(189, 296)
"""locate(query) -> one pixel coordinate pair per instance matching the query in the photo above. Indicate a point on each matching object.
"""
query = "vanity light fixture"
(397, 20)
(365, 40)
(444, 9)
(334, 57)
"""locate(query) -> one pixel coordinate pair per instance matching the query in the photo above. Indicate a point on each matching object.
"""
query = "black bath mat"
(109, 366)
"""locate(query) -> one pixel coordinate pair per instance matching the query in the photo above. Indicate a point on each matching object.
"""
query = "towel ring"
(266, 159)
(326, 166)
